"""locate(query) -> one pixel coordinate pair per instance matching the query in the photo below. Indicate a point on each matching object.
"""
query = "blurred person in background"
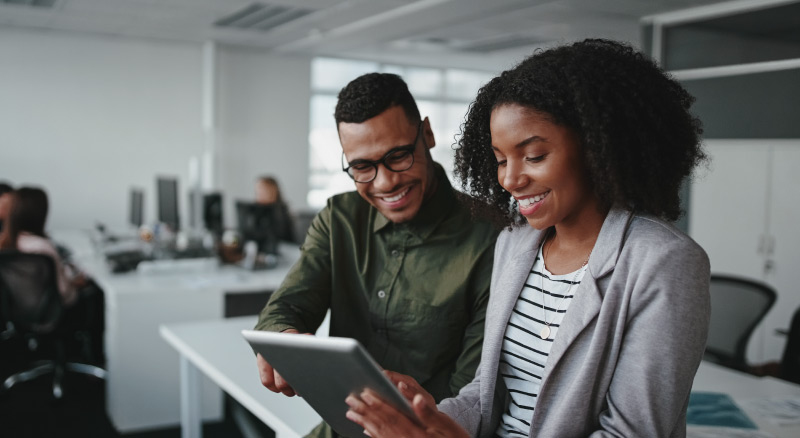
(268, 192)
(83, 300)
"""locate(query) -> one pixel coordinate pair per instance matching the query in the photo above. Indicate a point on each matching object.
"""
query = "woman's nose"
(513, 177)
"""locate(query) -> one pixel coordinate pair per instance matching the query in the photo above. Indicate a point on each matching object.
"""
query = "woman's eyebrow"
(526, 142)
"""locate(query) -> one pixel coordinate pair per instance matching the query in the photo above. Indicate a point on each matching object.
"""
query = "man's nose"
(385, 179)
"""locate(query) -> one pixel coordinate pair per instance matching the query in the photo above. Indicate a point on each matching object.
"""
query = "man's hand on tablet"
(270, 378)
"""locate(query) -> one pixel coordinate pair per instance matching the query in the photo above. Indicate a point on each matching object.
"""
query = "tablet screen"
(324, 371)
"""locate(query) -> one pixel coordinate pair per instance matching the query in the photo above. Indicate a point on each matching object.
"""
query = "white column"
(208, 164)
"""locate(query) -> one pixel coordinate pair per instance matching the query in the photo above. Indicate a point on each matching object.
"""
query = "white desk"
(742, 387)
(142, 387)
(218, 350)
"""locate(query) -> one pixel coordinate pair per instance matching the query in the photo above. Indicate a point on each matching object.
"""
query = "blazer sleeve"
(664, 338)
(465, 408)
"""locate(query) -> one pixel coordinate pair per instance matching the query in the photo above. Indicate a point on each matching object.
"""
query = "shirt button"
(395, 253)
(381, 294)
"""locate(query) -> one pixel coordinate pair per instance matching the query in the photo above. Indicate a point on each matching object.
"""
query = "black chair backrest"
(29, 294)
(790, 365)
(737, 306)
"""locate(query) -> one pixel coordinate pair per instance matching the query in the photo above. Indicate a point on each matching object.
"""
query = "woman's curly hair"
(638, 139)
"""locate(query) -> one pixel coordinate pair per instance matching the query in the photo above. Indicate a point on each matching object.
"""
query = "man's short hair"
(5, 188)
(371, 94)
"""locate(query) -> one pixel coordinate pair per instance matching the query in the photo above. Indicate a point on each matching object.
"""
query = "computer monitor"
(257, 222)
(168, 202)
(212, 213)
(136, 208)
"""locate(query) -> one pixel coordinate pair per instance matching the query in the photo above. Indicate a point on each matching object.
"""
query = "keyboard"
(200, 264)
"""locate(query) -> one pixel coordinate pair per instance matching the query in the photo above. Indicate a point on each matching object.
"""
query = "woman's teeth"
(526, 202)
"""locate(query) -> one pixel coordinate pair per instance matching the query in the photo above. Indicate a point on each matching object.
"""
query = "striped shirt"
(543, 301)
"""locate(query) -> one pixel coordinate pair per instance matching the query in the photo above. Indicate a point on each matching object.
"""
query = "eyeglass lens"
(396, 161)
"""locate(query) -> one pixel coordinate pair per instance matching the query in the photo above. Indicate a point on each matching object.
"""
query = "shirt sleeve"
(467, 362)
(303, 298)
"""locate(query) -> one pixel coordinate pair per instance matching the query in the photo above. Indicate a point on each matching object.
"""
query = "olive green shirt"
(414, 293)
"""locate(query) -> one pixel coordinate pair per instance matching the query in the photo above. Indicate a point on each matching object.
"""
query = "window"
(443, 95)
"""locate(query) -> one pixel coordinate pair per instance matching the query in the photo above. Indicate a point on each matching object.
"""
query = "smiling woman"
(599, 307)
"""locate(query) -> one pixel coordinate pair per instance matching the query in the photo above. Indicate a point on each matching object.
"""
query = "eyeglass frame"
(410, 148)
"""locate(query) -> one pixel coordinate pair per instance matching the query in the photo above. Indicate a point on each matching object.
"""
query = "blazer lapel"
(505, 293)
(589, 296)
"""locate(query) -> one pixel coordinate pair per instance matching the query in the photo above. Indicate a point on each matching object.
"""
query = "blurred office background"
(99, 97)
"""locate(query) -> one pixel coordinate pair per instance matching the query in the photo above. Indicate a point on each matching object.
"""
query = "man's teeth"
(526, 202)
(396, 198)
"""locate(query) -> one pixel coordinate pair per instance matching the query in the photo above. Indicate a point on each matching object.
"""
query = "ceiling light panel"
(34, 3)
(262, 16)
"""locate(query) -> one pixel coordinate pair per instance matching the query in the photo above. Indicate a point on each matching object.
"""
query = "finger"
(266, 373)
(283, 386)
(395, 377)
(409, 381)
(425, 412)
(358, 419)
(371, 398)
(437, 422)
(355, 404)
(406, 391)
(378, 419)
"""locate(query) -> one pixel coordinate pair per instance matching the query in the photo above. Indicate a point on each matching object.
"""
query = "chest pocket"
(419, 321)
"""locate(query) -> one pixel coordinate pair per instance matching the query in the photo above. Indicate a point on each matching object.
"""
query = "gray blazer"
(628, 348)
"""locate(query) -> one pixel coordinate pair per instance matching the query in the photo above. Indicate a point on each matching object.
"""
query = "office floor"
(29, 410)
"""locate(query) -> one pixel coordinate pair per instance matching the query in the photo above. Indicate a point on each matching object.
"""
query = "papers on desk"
(724, 432)
(716, 409)
(779, 410)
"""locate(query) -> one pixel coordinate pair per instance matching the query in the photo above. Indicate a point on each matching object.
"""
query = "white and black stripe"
(524, 353)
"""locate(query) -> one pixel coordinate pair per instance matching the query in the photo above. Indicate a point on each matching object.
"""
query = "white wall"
(263, 124)
(89, 117)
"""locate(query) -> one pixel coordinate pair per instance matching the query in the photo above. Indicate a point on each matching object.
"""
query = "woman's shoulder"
(653, 236)
(27, 242)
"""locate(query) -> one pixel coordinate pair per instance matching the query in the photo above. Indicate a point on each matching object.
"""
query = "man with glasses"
(400, 263)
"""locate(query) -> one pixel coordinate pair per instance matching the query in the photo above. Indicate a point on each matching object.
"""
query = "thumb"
(426, 413)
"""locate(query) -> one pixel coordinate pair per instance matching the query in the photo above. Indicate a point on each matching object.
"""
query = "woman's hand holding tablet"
(381, 420)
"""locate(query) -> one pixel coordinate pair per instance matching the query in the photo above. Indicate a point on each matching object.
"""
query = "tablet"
(324, 371)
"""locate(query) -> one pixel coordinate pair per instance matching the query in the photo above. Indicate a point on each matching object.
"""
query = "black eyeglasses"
(398, 159)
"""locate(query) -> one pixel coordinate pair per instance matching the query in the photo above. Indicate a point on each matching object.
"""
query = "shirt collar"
(432, 212)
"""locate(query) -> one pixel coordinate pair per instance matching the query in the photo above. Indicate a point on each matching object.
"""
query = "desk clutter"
(716, 409)
(156, 244)
(155, 252)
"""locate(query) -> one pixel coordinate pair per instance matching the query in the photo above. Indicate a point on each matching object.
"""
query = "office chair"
(31, 308)
(790, 363)
(737, 306)
(302, 222)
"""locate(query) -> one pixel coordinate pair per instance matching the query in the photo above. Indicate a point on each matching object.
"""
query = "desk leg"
(191, 424)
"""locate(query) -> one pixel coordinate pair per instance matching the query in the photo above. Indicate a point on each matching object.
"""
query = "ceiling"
(461, 33)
